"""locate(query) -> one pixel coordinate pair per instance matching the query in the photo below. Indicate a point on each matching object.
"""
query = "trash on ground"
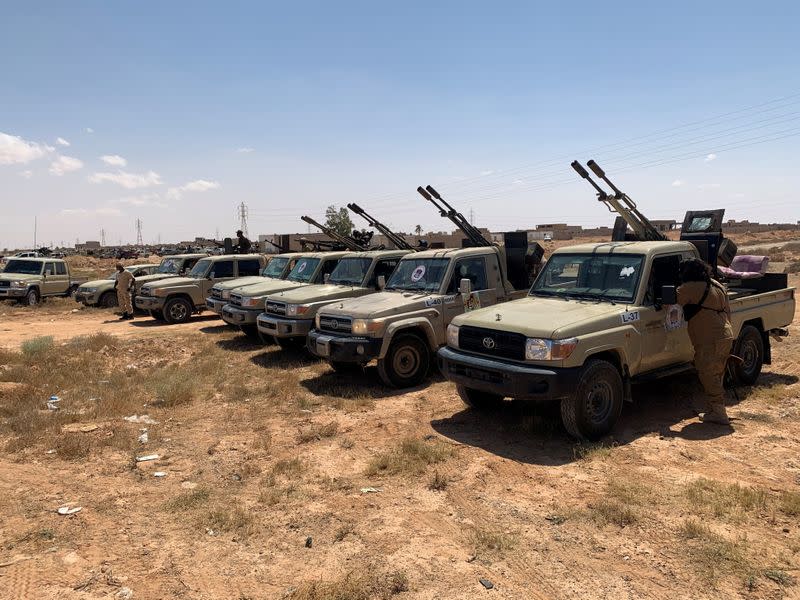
(79, 428)
(52, 403)
(309, 541)
(143, 437)
(486, 583)
(159, 474)
(370, 490)
(146, 419)
(66, 510)
(125, 593)
(147, 457)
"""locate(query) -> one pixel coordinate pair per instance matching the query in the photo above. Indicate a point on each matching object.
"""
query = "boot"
(123, 317)
(716, 414)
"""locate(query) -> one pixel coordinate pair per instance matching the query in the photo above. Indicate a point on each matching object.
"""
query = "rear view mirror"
(465, 286)
(669, 294)
(381, 281)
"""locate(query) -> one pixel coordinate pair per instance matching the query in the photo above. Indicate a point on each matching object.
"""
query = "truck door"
(220, 271)
(474, 269)
(62, 277)
(50, 283)
(665, 336)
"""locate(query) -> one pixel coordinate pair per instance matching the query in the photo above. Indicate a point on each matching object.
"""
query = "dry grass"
(496, 544)
(583, 451)
(612, 512)
(172, 386)
(343, 531)
(712, 556)
(188, 500)
(37, 346)
(411, 457)
(725, 500)
(230, 518)
(363, 584)
(438, 482)
(790, 503)
(318, 431)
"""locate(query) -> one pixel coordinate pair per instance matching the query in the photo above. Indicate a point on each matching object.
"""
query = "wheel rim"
(178, 311)
(599, 402)
(749, 356)
(406, 361)
(31, 299)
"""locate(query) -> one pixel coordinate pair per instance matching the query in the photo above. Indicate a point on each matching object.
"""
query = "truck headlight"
(543, 349)
(366, 326)
(226, 294)
(87, 290)
(160, 292)
(452, 335)
(253, 302)
(19, 284)
(316, 321)
(296, 310)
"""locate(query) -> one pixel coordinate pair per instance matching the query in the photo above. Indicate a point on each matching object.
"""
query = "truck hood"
(173, 282)
(153, 277)
(551, 318)
(97, 283)
(385, 304)
(309, 294)
(270, 286)
(18, 277)
(241, 282)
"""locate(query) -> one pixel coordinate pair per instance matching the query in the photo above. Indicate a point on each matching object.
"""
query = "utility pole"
(139, 241)
(243, 212)
(102, 237)
(472, 216)
(34, 232)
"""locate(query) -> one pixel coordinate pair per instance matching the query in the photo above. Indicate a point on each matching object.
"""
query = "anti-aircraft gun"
(395, 238)
(357, 241)
(522, 259)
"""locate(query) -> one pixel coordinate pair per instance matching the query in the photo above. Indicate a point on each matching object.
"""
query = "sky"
(175, 113)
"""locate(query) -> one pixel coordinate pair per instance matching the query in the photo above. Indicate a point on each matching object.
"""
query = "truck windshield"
(170, 266)
(612, 277)
(200, 270)
(419, 274)
(24, 267)
(275, 268)
(350, 271)
(304, 270)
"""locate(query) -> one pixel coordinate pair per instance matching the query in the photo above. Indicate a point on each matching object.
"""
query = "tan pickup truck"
(102, 293)
(402, 326)
(29, 280)
(175, 299)
(597, 320)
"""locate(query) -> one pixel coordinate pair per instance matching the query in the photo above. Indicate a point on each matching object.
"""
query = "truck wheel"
(108, 300)
(750, 348)
(250, 330)
(156, 314)
(478, 399)
(597, 403)
(406, 363)
(177, 310)
(32, 298)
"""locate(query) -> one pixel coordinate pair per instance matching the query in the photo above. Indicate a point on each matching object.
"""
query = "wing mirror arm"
(465, 286)
(381, 282)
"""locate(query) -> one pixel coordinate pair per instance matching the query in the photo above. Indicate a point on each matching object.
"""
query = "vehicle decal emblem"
(489, 343)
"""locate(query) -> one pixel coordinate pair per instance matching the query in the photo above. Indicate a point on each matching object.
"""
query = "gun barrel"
(456, 217)
(395, 238)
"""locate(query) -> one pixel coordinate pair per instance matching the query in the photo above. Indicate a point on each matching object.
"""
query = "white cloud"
(245, 150)
(710, 157)
(101, 210)
(15, 150)
(89, 130)
(678, 183)
(485, 173)
(518, 182)
(26, 174)
(198, 185)
(709, 186)
(130, 181)
(62, 142)
(143, 200)
(65, 164)
(114, 160)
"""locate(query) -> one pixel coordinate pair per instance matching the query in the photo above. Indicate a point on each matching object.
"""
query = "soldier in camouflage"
(124, 286)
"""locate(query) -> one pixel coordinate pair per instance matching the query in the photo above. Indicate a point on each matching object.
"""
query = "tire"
(749, 347)
(593, 410)
(478, 399)
(251, 331)
(108, 300)
(156, 314)
(177, 311)
(32, 298)
(406, 363)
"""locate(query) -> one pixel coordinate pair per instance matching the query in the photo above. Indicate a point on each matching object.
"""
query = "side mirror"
(212, 275)
(669, 294)
(326, 278)
(465, 286)
(381, 281)
(47, 273)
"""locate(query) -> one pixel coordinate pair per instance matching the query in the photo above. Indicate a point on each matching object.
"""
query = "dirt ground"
(282, 479)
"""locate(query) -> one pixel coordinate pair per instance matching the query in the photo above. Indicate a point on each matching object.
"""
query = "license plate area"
(323, 345)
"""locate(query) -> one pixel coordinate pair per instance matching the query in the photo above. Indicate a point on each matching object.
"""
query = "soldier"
(242, 243)
(124, 285)
(707, 311)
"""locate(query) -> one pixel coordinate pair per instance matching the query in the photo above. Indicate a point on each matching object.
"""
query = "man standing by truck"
(707, 312)
(124, 285)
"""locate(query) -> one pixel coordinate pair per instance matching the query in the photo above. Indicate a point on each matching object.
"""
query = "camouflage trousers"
(710, 361)
(125, 301)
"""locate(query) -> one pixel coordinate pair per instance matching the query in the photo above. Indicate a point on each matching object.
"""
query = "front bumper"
(149, 303)
(283, 328)
(509, 380)
(234, 315)
(13, 292)
(216, 304)
(86, 298)
(339, 348)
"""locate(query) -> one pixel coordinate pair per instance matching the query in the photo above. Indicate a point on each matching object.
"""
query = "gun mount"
(620, 203)
(446, 210)
(395, 238)
(349, 242)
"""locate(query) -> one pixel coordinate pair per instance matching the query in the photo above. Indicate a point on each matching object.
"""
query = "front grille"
(276, 308)
(216, 294)
(490, 342)
(236, 299)
(5, 284)
(336, 324)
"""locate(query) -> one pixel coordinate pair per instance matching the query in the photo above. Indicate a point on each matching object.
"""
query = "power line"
(243, 214)
(139, 241)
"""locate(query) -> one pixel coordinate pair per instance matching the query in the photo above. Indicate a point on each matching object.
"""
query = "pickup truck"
(170, 266)
(289, 315)
(246, 304)
(102, 293)
(175, 299)
(29, 280)
(278, 267)
(402, 326)
(599, 318)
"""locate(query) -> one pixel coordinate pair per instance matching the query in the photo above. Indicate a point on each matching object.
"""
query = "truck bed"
(775, 309)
